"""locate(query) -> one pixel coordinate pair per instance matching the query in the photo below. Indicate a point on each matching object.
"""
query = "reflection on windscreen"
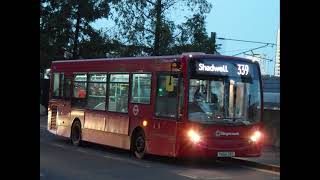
(224, 100)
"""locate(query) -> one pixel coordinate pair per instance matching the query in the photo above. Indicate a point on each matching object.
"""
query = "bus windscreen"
(224, 92)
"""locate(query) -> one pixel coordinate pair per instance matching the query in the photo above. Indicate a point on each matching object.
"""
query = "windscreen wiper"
(245, 122)
(233, 120)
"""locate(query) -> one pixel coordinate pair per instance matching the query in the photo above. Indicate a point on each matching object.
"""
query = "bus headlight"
(256, 136)
(194, 137)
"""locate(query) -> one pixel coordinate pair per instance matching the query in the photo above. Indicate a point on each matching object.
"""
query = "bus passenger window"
(67, 89)
(118, 93)
(181, 98)
(141, 88)
(97, 91)
(166, 101)
(79, 90)
(56, 84)
(61, 84)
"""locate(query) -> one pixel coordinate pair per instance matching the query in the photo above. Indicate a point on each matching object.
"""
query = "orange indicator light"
(145, 123)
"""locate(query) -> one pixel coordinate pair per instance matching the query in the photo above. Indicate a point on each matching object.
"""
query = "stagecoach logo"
(135, 110)
(213, 68)
(221, 133)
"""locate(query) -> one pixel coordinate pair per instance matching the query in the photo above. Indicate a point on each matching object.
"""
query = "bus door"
(165, 119)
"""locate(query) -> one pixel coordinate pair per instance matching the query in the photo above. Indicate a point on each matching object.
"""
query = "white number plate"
(226, 154)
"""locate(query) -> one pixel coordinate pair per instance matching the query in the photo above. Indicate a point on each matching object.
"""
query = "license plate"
(226, 154)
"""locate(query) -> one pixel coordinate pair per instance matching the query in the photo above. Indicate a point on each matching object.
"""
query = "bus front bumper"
(202, 151)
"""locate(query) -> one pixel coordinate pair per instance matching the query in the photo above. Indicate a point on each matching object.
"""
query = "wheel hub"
(140, 144)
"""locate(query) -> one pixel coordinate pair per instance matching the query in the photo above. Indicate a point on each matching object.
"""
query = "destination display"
(222, 68)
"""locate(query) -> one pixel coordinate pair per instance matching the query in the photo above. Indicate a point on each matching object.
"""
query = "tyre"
(139, 144)
(76, 133)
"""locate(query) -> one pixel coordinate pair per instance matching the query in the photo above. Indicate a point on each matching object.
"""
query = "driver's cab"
(206, 97)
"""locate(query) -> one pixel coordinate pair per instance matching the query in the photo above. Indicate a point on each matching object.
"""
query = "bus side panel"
(64, 121)
(53, 115)
(64, 131)
(117, 123)
(53, 131)
(103, 128)
(95, 120)
(106, 138)
(77, 114)
(106, 128)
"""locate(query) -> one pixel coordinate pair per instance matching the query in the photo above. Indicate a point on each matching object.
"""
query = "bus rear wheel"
(139, 144)
(76, 133)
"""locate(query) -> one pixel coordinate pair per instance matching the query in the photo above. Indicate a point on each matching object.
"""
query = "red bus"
(189, 105)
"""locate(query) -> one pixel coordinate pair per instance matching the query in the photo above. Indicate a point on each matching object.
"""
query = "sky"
(251, 20)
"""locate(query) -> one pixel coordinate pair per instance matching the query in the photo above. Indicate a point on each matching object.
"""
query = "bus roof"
(169, 57)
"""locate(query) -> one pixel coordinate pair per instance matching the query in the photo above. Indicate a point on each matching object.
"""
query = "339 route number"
(243, 69)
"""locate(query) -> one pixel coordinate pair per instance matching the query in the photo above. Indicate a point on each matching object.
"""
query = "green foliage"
(65, 29)
(193, 37)
(143, 28)
(145, 23)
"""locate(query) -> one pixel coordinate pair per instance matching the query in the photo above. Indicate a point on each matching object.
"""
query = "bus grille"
(224, 143)
(53, 124)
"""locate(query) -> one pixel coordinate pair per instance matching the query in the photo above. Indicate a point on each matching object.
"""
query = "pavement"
(269, 160)
(270, 156)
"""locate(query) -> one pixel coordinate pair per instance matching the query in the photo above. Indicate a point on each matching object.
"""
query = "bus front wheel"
(139, 145)
(76, 133)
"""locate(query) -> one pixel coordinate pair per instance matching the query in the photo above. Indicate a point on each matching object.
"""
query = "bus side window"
(181, 97)
(141, 88)
(56, 85)
(67, 90)
(79, 90)
(97, 91)
(61, 85)
(166, 101)
(118, 93)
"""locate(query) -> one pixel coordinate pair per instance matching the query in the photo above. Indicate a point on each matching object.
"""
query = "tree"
(65, 25)
(83, 12)
(144, 22)
(95, 47)
(193, 36)
(55, 31)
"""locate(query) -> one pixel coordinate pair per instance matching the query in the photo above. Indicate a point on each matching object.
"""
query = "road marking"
(58, 145)
(261, 170)
(204, 178)
(188, 176)
(253, 168)
(214, 178)
(128, 161)
(83, 151)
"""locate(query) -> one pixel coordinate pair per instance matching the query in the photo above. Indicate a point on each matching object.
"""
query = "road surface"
(59, 159)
